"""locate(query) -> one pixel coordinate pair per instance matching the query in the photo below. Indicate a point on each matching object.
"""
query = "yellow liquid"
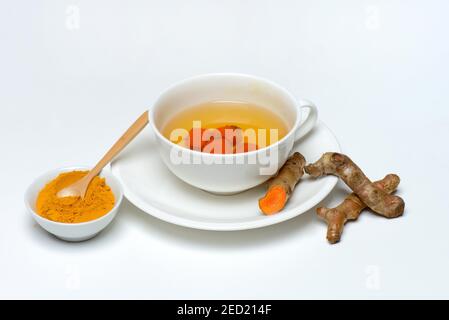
(216, 114)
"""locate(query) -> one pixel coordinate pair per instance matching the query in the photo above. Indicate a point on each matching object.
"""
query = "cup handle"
(309, 122)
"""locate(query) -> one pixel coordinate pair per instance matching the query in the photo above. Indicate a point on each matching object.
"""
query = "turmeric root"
(374, 197)
(281, 186)
(351, 208)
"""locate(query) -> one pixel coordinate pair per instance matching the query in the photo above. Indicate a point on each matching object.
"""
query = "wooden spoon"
(78, 189)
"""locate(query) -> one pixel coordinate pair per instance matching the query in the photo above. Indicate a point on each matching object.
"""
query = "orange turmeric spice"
(282, 185)
(98, 200)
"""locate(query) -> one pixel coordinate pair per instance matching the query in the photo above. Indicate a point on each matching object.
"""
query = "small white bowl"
(72, 231)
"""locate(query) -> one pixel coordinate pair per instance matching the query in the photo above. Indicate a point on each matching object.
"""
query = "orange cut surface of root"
(274, 201)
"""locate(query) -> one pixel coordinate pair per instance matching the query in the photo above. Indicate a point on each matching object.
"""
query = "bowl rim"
(68, 169)
(287, 93)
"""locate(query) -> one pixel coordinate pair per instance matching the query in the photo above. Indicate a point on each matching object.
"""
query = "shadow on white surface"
(136, 219)
(303, 223)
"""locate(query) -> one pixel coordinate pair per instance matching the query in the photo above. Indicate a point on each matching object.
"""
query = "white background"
(74, 74)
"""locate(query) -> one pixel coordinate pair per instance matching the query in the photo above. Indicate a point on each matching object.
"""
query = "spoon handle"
(122, 142)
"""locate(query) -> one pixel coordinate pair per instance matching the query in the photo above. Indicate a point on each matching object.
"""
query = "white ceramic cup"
(229, 173)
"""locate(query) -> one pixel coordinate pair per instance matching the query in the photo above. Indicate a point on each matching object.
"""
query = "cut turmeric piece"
(232, 133)
(282, 185)
(219, 146)
(274, 201)
(216, 140)
(195, 139)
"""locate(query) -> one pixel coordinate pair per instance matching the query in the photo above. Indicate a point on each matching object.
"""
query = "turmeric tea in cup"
(225, 127)
(189, 118)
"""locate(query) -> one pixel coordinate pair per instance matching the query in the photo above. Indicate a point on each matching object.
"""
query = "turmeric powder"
(98, 201)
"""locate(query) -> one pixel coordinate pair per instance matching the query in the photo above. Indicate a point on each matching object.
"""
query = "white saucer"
(150, 186)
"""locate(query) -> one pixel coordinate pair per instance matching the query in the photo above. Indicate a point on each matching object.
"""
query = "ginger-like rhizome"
(282, 185)
(351, 208)
(375, 196)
